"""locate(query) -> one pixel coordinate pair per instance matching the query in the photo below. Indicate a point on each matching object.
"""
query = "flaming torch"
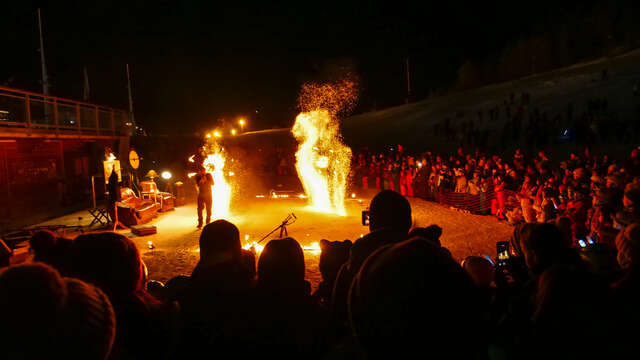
(323, 162)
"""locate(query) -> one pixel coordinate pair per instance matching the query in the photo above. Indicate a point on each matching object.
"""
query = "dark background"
(194, 64)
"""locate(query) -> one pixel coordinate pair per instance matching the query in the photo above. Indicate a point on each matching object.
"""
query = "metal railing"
(37, 112)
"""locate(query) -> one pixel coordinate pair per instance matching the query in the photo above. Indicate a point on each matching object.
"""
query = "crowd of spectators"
(592, 196)
(397, 292)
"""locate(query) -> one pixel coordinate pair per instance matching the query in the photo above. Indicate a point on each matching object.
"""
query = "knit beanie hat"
(88, 323)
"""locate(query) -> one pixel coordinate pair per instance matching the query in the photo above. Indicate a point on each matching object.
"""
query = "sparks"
(323, 173)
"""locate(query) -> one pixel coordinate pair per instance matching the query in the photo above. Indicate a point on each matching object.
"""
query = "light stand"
(290, 219)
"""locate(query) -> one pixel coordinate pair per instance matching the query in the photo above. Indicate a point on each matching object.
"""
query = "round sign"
(134, 159)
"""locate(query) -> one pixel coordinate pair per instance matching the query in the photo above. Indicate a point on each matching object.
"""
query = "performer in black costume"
(204, 182)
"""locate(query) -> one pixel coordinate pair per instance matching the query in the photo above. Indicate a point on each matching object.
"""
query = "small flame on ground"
(255, 245)
(314, 247)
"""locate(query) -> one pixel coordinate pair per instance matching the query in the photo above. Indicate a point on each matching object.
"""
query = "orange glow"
(221, 189)
(314, 248)
(191, 158)
(255, 245)
(216, 134)
(322, 161)
(233, 131)
(190, 175)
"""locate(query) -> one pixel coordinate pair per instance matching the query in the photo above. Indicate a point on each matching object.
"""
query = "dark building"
(49, 149)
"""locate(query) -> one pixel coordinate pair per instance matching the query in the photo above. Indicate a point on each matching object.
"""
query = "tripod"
(290, 219)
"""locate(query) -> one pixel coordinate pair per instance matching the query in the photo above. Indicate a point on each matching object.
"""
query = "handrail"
(29, 93)
(29, 110)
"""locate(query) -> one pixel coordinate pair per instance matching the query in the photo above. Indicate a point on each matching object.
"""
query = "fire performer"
(204, 182)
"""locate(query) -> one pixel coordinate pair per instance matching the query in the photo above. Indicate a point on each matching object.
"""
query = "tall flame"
(221, 189)
(322, 160)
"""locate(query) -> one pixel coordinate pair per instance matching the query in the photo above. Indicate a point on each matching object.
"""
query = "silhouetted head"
(42, 243)
(480, 269)
(281, 264)
(334, 254)
(430, 233)
(88, 322)
(45, 316)
(545, 246)
(220, 241)
(110, 261)
(390, 210)
(411, 297)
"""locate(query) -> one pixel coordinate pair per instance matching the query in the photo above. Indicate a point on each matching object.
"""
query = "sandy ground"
(175, 249)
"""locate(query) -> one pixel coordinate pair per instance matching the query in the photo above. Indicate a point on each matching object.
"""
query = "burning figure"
(323, 162)
(211, 182)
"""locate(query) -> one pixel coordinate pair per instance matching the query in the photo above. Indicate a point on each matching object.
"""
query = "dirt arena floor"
(175, 246)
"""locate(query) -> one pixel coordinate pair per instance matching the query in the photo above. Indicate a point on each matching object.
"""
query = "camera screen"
(502, 248)
(365, 217)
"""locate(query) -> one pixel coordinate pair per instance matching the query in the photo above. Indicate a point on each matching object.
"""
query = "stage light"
(208, 136)
(233, 131)
(353, 195)
(419, 164)
(217, 134)
(166, 175)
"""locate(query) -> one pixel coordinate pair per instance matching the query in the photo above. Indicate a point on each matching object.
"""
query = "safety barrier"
(480, 203)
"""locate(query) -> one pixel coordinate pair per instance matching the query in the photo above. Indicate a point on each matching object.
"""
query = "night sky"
(193, 64)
